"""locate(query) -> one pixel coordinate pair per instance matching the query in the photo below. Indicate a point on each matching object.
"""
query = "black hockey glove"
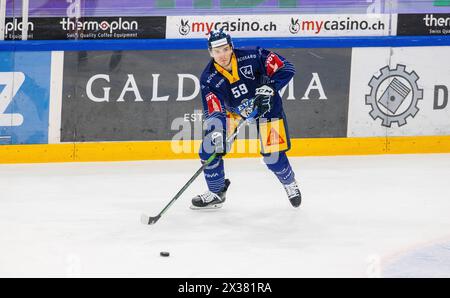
(263, 100)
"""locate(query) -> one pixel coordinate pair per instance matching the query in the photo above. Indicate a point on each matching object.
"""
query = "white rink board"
(432, 66)
(295, 25)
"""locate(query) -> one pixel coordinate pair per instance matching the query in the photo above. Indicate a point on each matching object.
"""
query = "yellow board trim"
(160, 150)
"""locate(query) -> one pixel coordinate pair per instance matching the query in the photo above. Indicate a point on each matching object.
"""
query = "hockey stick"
(148, 220)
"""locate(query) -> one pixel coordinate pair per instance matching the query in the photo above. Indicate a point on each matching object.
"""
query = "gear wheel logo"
(394, 95)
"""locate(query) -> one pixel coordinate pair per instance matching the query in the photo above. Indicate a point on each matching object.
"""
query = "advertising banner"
(24, 97)
(286, 25)
(152, 95)
(87, 28)
(180, 27)
(423, 24)
(399, 92)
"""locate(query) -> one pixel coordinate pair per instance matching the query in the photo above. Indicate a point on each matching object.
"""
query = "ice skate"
(293, 193)
(210, 200)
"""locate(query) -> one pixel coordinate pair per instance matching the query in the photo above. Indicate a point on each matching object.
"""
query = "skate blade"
(209, 207)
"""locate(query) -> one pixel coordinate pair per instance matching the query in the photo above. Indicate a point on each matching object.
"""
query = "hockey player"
(234, 82)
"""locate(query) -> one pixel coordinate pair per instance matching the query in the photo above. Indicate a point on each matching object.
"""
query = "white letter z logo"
(12, 81)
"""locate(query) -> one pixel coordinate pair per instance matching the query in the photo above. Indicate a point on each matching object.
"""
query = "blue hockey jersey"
(223, 91)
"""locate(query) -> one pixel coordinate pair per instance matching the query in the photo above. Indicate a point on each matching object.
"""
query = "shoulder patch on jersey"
(247, 71)
(273, 63)
(213, 103)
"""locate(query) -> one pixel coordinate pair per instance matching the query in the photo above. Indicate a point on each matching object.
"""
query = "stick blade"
(148, 220)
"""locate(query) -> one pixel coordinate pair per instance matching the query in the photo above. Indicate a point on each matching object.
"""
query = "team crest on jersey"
(213, 103)
(246, 107)
(247, 71)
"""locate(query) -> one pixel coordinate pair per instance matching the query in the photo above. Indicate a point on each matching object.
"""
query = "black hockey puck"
(164, 254)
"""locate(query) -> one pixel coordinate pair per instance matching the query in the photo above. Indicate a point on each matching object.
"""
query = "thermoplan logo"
(394, 95)
(423, 24)
(15, 25)
(13, 29)
(11, 82)
(111, 26)
(439, 25)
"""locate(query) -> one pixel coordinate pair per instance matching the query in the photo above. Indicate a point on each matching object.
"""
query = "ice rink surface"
(362, 216)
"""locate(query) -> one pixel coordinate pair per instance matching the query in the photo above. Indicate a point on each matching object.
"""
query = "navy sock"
(215, 175)
(278, 163)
